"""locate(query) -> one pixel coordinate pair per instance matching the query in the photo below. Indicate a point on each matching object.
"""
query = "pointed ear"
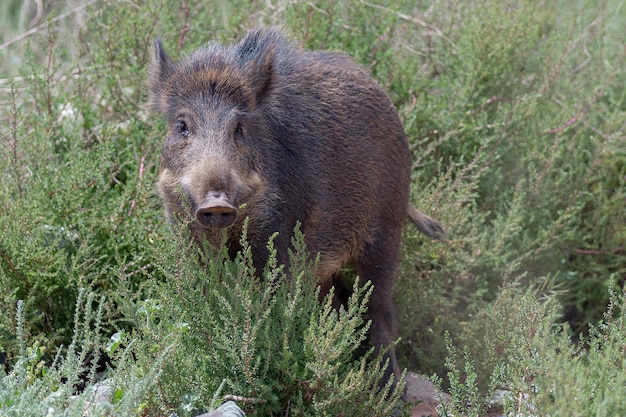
(159, 71)
(257, 54)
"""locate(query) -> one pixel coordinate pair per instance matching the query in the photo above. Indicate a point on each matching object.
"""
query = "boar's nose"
(216, 212)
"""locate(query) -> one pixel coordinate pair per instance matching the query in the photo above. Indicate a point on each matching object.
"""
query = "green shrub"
(518, 111)
(264, 333)
(34, 387)
(514, 110)
(77, 186)
(544, 372)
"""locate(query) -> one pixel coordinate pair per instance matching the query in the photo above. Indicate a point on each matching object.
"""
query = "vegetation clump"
(515, 112)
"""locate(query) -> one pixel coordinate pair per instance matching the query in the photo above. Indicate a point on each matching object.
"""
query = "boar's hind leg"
(378, 265)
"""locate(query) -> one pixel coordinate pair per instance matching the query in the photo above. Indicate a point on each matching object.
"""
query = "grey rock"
(228, 409)
(419, 390)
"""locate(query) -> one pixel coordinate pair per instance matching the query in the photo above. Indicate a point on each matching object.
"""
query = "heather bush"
(257, 335)
(37, 387)
(541, 369)
(515, 111)
(518, 111)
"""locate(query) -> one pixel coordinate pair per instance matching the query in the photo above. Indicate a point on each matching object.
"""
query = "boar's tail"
(425, 224)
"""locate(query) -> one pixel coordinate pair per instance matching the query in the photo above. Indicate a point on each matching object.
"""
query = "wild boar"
(265, 130)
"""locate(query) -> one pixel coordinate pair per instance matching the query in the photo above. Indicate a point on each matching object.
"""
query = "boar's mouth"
(216, 212)
(215, 209)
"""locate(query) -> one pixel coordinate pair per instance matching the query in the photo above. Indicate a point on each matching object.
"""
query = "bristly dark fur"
(295, 136)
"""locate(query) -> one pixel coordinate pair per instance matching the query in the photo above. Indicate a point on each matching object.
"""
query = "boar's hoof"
(216, 214)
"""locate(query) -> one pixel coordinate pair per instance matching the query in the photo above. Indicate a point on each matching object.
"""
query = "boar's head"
(213, 102)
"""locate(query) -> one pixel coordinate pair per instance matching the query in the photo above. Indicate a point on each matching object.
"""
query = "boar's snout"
(216, 212)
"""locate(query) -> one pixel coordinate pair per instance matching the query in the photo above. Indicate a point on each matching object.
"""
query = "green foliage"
(465, 398)
(265, 334)
(76, 188)
(34, 388)
(515, 112)
(544, 372)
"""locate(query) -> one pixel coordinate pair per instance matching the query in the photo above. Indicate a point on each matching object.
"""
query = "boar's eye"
(236, 127)
(238, 133)
(181, 128)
